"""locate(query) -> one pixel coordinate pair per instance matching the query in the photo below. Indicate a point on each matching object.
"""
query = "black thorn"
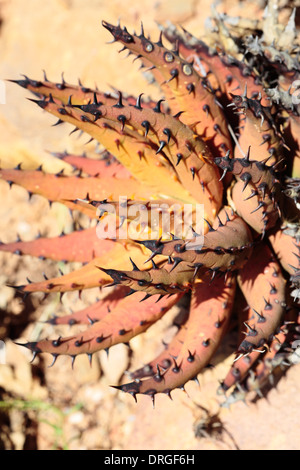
(268, 306)
(177, 115)
(206, 109)
(190, 88)
(176, 263)
(122, 120)
(197, 267)
(146, 125)
(45, 76)
(191, 357)
(134, 266)
(59, 121)
(260, 205)
(179, 158)
(119, 104)
(138, 102)
(261, 318)
(168, 133)
(211, 229)
(246, 178)
(154, 245)
(154, 266)
(157, 108)
(176, 367)
(55, 356)
(162, 144)
(220, 222)
(174, 74)
(31, 345)
(251, 331)
(145, 298)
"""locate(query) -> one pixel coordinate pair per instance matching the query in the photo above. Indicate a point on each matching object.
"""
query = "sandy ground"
(46, 408)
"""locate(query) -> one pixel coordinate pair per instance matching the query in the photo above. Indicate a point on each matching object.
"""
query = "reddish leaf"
(82, 246)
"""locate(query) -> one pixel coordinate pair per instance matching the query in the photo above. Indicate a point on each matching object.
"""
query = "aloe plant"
(178, 152)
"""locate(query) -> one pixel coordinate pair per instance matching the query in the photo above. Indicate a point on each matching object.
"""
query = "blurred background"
(57, 408)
